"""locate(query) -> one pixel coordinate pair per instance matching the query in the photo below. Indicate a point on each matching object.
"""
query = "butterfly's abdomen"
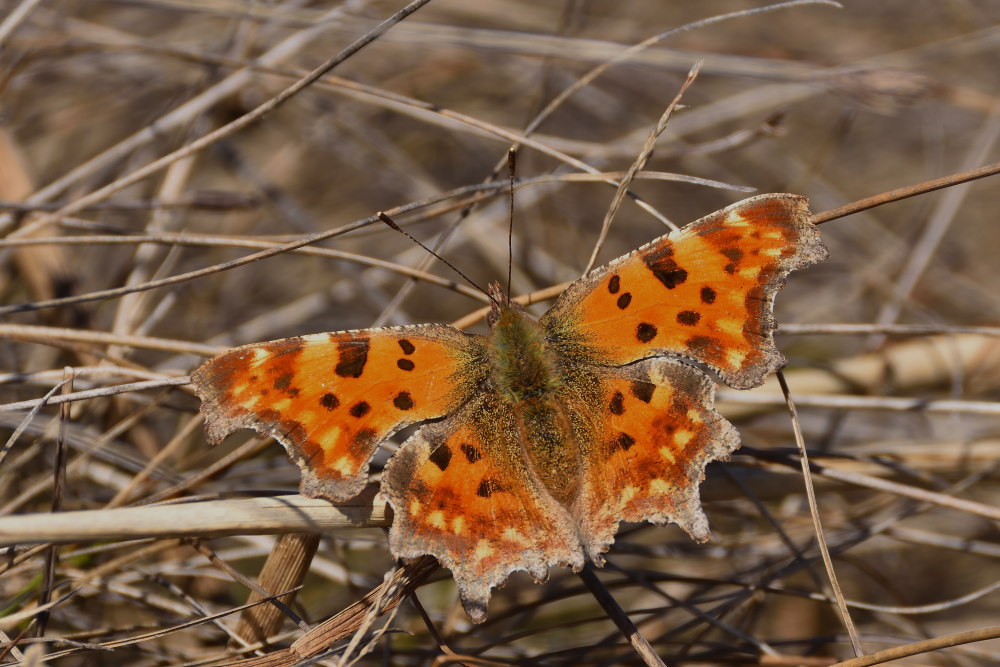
(529, 377)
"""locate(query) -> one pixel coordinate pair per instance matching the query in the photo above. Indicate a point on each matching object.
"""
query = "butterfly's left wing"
(331, 398)
(704, 292)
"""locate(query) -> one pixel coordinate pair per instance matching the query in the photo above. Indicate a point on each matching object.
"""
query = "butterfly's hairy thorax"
(528, 375)
(522, 364)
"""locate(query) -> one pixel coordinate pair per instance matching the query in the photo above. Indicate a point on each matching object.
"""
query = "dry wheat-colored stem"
(234, 126)
(905, 193)
(637, 165)
(831, 573)
(285, 569)
(128, 388)
(247, 516)
(926, 646)
(16, 17)
(841, 402)
(191, 109)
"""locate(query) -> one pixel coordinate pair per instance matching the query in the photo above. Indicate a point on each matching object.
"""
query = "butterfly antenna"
(511, 162)
(392, 223)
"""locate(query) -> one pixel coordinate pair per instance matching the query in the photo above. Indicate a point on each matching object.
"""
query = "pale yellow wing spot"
(343, 465)
(730, 326)
(514, 535)
(629, 492)
(659, 486)
(436, 519)
(483, 550)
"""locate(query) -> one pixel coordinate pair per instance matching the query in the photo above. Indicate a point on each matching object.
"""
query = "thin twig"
(638, 164)
(916, 648)
(831, 573)
(904, 193)
(847, 402)
(639, 643)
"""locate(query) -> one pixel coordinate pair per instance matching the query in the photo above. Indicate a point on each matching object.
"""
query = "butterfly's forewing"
(461, 491)
(657, 433)
(704, 292)
(331, 398)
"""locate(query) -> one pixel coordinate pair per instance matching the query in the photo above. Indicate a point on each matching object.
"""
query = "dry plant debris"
(148, 148)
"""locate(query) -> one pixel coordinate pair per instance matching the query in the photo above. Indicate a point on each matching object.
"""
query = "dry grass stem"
(179, 177)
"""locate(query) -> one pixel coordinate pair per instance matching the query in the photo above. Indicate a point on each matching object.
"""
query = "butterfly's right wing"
(331, 398)
(655, 430)
(704, 292)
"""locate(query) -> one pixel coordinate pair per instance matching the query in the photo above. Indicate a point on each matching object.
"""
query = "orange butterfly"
(542, 435)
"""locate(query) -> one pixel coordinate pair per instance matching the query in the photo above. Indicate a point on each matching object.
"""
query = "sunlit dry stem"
(845, 614)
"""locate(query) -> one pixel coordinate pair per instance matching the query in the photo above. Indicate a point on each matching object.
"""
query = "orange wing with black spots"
(658, 432)
(461, 490)
(331, 398)
(704, 292)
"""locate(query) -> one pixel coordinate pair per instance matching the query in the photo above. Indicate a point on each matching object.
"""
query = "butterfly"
(540, 437)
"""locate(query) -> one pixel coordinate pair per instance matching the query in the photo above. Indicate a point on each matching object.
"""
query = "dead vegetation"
(146, 143)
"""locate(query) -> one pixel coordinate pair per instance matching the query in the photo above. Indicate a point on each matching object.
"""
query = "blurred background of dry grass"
(836, 104)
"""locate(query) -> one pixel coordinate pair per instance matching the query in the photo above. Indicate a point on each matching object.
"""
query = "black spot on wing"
(471, 453)
(283, 381)
(614, 284)
(623, 442)
(488, 487)
(734, 255)
(624, 300)
(645, 332)
(353, 357)
(407, 347)
(663, 266)
(405, 365)
(441, 457)
(403, 400)
(329, 401)
(708, 295)
(642, 390)
(360, 409)
(617, 404)
(688, 317)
